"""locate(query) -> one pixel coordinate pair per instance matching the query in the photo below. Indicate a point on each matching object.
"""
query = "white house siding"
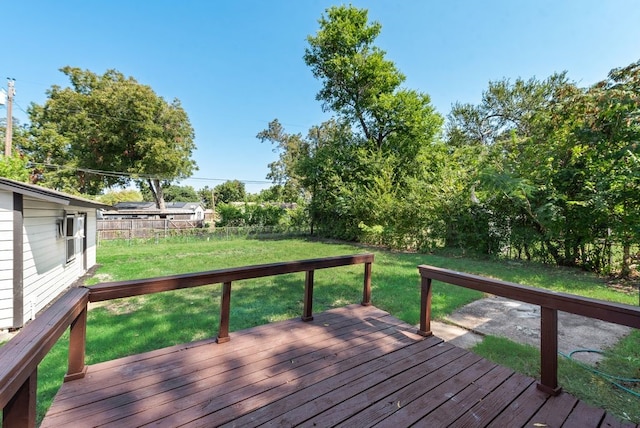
(6, 258)
(46, 272)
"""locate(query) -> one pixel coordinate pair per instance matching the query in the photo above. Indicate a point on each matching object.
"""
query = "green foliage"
(14, 167)
(287, 192)
(229, 191)
(555, 172)
(370, 167)
(174, 193)
(112, 197)
(250, 214)
(205, 195)
(229, 215)
(109, 123)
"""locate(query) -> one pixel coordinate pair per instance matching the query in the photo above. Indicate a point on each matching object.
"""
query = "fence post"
(549, 351)
(425, 307)
(308, 297)
(20, 411)
(77, 346)
(225, 308)
(366, 292)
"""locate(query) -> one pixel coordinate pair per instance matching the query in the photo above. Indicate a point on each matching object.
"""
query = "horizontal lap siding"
(46, 273)
(6, 259)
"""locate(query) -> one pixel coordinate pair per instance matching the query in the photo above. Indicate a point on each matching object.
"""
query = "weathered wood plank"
(359, 395)
(429, 400)
(584, 415)
(310, 396)
(495, 402)
(520, 411)
(554, 412)
(293, 367)
(459, 403)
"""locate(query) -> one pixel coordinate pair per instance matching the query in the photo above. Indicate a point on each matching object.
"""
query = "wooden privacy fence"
(550, 303)
(20, 357)
(143, 228)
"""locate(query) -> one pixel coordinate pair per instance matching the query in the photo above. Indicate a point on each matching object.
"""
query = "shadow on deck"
(352, 366)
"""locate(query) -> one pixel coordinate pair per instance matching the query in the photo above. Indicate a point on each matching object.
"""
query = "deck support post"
(425, 307)
(366, 292)
(20, 411)
(225, 308)
(76, 368)
(549, 351)
(307, 313)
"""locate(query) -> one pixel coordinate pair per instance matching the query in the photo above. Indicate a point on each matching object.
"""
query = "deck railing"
(550, 303)
(20, 357)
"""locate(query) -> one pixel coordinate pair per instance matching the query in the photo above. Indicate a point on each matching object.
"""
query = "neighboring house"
(47, 241)
(148, 210)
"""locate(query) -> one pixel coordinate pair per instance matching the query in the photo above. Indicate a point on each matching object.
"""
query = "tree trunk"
(626, 260)
(156, 190)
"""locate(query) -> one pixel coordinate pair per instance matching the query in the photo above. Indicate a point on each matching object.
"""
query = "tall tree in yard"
(393, 131)
(109, 123)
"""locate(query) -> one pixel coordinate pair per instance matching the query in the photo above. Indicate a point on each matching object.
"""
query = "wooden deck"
(352, 366)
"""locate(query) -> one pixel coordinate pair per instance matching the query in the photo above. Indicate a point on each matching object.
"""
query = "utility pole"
(8, 134)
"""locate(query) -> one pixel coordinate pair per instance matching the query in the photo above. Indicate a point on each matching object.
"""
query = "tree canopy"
(107, 130)
(359, 169)
(540, 169)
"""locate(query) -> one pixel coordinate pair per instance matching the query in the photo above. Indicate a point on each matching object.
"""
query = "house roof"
(44, 194)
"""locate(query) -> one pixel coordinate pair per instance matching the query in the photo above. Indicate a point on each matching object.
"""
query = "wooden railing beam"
(115, 290)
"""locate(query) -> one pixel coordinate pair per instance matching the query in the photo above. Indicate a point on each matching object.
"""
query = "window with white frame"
(70, 225)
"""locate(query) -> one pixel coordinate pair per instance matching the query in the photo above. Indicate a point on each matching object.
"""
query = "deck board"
(351, 366)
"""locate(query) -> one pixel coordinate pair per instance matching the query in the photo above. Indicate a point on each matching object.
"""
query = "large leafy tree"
(107, 130)
(230, 191)
(360, 168)
(555, 169)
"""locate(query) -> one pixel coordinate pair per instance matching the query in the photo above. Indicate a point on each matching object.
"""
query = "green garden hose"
(610, 378)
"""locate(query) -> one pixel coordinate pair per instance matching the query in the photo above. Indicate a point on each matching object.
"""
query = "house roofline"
(49, 195)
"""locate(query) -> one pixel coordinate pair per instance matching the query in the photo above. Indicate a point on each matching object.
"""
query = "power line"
(132, 175)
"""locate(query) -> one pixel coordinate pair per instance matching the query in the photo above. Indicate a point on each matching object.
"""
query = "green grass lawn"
(129, 326)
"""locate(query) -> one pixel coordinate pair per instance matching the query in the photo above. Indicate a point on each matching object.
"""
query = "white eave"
(48, 195)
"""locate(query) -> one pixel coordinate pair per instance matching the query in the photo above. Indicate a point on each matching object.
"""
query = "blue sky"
(236, 65)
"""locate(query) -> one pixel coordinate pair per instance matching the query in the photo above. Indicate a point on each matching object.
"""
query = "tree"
(205, 195)
(15, 166)
(363, 168)
(175, 193)
(283, 171)
(229, 191)
(112, 197)
(108, 130)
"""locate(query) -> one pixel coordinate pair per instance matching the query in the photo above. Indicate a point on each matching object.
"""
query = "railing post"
(308, 297)
(225, 308)
(77, 346)
(549, 351)
(20, 411)
(425, 307)
(366, 292)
